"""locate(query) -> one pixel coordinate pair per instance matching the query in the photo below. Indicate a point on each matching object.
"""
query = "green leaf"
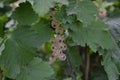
(68, 79)
(36, 70)
(110, 67)
(27, 36)
(115, 32)
(0, 41)
(64, 2)
(1, 4)
(42, 7)
(99, 73)
(43, 29)
(31, 1)
(2, 46)
(7, 1)
(94, 35)
(3, 19)
(78, 78)
(14, 56)
(114, 23)
(25, 14)
(111, 61)
(84, 10)
(75, 56)
(61, 16)
(20, 49)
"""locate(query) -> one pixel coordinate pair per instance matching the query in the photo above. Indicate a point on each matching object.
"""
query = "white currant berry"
(102, 13)
(63, 46)
(55, 48)
(57, 53)
(55, 23)
(52, 59)
(52, 14)
(62, 57)
(16, 4)
(59, 30)
(59, 38)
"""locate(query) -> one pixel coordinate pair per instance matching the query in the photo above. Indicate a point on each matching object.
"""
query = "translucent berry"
(102, 13)
(62, 57)
(59, 30)
(52, 59)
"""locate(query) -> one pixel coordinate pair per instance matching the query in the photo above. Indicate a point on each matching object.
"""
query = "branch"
(72, 73)
(87, 67)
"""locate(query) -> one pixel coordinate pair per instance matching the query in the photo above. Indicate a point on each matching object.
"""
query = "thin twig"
(72, 73)
(87, 67)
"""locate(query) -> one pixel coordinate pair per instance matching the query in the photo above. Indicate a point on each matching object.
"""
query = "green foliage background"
(25, 29)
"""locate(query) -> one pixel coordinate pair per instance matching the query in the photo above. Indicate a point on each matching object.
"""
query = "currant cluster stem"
(72, 73)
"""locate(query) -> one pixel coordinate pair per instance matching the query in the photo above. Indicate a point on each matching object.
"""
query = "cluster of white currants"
(58, 44)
